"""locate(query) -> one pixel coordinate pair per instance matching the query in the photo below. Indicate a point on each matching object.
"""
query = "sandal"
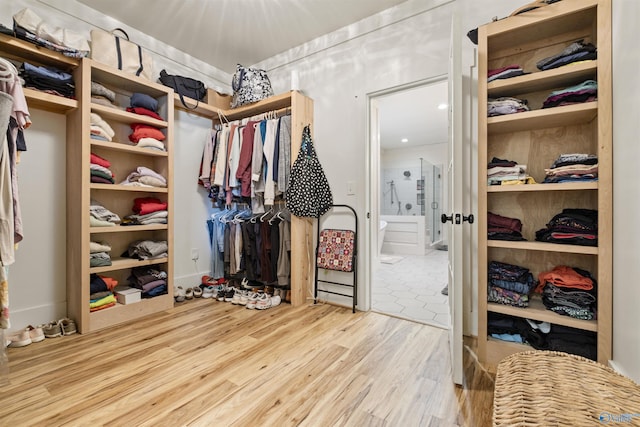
(197, 292)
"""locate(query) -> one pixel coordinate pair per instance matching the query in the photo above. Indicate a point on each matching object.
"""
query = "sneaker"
(237, 296)
(178, 293)
(244, 297)
(207, 292)
(228, 294)
(252, 300)
(36, 334)
(68, 326)
(263, 302)
(19, 339)
(221, 292)
(197, 292)
(275, 300)
(52, 330)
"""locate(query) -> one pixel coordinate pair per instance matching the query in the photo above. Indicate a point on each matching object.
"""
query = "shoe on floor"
(178, 293)
(52, 330)
(188, 293)
(228, 295)
(207, 292)
(275, 300)
(68, 326)
(263, 302)
(19, 339)
(35, 333)
(197, 292)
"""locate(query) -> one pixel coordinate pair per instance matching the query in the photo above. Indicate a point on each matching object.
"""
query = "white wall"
(626, 189)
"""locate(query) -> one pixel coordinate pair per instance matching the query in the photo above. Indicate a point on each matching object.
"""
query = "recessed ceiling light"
(404, 140)
(442, 106)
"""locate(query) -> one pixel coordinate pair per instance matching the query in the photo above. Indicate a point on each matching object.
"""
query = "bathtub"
(403, 235)
(383, 227)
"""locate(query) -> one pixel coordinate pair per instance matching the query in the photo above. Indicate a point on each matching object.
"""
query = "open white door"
(455, 176)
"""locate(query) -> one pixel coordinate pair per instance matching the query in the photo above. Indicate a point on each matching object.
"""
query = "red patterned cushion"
(335, 250)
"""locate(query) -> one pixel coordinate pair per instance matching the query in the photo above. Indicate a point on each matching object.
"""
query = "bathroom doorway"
(409, 271)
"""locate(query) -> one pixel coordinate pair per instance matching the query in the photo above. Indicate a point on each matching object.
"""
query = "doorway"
(409, 262)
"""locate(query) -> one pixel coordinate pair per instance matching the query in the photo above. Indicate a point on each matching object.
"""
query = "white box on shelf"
(128, 295)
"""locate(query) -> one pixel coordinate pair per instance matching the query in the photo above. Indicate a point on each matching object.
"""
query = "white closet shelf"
(537, 311)
(543, 119)
(561, 186)
(543, 247)
(125, 263)
(543, 80)
(117, 187)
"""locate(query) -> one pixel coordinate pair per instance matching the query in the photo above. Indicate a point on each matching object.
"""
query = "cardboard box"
(218, 100)
(128, 295)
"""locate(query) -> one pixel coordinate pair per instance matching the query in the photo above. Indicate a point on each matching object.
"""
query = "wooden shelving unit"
(535, 138)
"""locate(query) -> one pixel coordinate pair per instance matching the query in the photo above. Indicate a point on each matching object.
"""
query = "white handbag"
(31, 22)
(120, 53)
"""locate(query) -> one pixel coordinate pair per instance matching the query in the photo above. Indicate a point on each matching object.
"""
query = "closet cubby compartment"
(124, 157)
(536, 138)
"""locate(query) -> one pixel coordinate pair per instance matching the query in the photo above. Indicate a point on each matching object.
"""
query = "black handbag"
(308, 194)
(184, 86)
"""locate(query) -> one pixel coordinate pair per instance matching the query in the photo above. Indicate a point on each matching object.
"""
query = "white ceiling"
(414, 114)
(224, 33)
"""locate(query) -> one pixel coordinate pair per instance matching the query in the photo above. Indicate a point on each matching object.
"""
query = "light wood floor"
(208, 363)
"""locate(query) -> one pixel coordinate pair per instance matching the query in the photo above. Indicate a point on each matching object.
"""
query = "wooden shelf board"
(561, 186)
(276, 102)
(543, 119)
(131, 188)
(125, 313)
(118, 146)
(543, 246)
(537, 311)
(201, 108)
(48, 102)
(110, 76)
(127, 228)
(124, 263)
(126, 117)
(21, 49)
(538, 81)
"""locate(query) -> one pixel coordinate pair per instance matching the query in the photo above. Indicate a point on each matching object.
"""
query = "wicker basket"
(550, 388)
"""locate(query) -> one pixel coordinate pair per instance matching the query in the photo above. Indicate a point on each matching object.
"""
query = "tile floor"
(411, 288)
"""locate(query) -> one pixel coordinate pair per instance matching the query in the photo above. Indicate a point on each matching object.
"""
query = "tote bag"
(120, 53)
(249, 85)
(308, 194)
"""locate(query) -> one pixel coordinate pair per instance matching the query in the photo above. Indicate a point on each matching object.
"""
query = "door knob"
(444, 218)
(468, 218)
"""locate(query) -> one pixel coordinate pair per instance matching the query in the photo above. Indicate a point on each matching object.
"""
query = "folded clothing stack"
(99, 254)
(503, 228)
(101, 292)
(586, 91)
(147, 210)
(504, 72)
(504, 172)
(100, 129)
(101, 216)
(144, 104)
(151, 281)
(147, 249)
(577, 51)
(102, 95)
(48, 79)
(571, 227)
(509, 284)
(569, 291)
(145, 177)
(506, 105)
(100, 172)
(576, 167)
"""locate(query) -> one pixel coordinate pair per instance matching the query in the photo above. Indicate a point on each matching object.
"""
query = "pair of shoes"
(263, 302)
(197, 292)
(51, 330)
(208, 292)
(178, 293)
(188, 293)
(252, 300)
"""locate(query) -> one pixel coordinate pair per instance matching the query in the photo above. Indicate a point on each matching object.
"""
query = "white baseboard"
(34, 316)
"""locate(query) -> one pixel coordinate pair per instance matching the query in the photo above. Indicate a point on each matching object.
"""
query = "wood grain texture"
(206, 363)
